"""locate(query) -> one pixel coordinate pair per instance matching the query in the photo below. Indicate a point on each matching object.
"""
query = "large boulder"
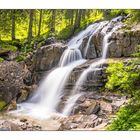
(124, 43)
(44, 59)
(47, 57)
(12, 79)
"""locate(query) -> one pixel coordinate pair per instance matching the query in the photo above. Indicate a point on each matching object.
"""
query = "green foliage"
(109, 14)
(135, 15)
(65, 33)
(128, 117)
(122, 78)
(20, 58)
(8, 47)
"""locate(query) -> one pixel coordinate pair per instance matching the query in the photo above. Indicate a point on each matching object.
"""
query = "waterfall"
(92, 68)
(70, 103)
(70, 55)
(97, 28)
(45, 100)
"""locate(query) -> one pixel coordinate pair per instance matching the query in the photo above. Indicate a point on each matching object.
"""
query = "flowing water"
(97, 28)
(45, 100)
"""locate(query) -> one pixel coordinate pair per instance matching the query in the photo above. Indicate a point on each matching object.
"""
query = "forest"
(69, 69)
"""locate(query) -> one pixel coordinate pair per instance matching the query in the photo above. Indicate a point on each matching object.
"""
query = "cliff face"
(122, 43)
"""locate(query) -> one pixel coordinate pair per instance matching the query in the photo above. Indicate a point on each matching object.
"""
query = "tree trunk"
(35, 23)
(77, 19)
(13, 24)
(30, 25)
(52, 28)
(83, 14)
(72, 17)
(40, 21)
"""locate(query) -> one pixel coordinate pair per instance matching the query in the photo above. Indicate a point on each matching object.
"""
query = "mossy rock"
(1, 59)
(7, 47)
(2, 105)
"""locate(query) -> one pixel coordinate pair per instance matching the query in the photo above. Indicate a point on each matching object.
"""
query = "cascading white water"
(76, 41)
(70, 103)
(47, 97)
(97, 28)
(93, 67)
(70, 55)
(44, 101)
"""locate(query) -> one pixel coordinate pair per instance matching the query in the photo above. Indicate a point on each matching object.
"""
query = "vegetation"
(124, 79)
(23, 29)
(27, 24)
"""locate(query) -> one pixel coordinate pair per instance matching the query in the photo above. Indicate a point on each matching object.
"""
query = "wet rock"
(23, 95)
(26, 92)
(81, 99)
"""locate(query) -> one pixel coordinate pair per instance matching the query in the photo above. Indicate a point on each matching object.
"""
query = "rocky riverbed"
(93, 111)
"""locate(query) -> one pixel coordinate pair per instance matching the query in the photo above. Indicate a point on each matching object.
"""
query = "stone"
(9, 126)
(23, 120)
(86, 104)
(44, 59)
(100, 126)
(107, 99)
(12, 105)
(118, 103)
(93, 108)
(106, 106)
(121, 43)
(12, 76)
(26, 92)
(81, 99)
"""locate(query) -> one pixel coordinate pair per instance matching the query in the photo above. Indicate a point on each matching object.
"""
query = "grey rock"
(93, 108)
(12, 76)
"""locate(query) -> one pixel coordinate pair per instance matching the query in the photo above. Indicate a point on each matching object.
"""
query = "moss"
(2, 105)
(8, 47)
(41, 44)
(20, 58)
(1, 59)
